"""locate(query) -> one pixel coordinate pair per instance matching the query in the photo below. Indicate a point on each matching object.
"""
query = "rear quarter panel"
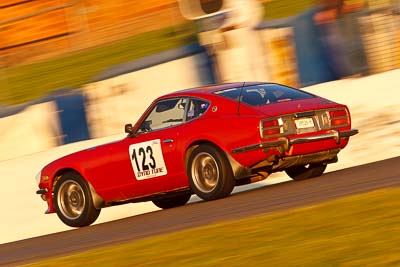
(224, 126)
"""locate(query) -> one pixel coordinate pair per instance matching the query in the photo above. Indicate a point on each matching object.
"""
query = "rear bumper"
(286, 143)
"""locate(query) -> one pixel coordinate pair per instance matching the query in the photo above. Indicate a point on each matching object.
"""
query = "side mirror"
(128, 128)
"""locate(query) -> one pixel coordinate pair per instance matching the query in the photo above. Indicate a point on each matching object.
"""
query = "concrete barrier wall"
(374, 103)
(34, 129)
(119, 96)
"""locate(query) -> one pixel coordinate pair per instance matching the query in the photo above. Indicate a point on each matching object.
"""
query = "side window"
(196, 108)
(233, 93)
(165, 113)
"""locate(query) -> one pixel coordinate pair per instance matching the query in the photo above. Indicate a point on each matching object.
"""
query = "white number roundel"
(147, 159)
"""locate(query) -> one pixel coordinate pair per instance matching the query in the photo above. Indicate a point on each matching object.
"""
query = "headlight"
(38, 177)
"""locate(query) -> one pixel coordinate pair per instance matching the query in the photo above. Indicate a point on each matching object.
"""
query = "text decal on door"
(147, 159)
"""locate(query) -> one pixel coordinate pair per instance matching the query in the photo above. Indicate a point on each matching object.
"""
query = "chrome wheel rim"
(205, 172)
(71, 199)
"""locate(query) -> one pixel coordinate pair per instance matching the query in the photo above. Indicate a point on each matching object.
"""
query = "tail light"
(339, 118)
(271, 127)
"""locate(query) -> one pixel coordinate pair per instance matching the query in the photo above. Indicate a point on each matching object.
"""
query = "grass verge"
(27, 82)
(285, 8)
(360, 230)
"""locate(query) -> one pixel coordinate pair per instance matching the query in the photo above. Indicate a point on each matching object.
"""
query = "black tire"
(210, 174)
(299, 173)
(73, 201)
(172, 201)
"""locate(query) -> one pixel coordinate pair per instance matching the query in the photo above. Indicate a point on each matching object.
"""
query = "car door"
(155, 159)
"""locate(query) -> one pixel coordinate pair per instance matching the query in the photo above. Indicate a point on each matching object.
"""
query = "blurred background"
(75, 70)
(81, 69)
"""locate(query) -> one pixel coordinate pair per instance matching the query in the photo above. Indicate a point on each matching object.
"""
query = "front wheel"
(299, 173)
(73, 201)
(210, 174)
(169, 202)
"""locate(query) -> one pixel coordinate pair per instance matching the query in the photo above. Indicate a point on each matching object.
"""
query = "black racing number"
(152, 164)
(134, 157)
(142, 153)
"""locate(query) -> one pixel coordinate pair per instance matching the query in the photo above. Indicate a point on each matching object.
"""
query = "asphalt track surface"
(266, 199)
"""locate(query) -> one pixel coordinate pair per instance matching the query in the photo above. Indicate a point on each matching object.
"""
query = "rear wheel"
(172, 201)
(299, 173)
(210, 174)
(73, 201)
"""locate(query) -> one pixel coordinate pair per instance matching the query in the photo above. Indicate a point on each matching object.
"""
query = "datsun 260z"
(202, 141)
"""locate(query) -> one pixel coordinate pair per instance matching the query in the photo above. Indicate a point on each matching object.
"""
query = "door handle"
(168, 141)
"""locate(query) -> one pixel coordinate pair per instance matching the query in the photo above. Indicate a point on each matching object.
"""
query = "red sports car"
(204, 141)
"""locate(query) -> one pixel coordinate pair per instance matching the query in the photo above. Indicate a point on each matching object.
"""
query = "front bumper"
(286, 143)
(43, 193)
(46, 196)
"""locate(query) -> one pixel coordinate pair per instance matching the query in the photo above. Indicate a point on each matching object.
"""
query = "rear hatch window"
(262, 94)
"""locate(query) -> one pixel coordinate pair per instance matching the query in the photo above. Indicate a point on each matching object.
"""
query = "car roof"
(209, 89)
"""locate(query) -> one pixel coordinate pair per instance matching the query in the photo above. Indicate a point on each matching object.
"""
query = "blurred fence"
(362, 42)
(380, 31)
